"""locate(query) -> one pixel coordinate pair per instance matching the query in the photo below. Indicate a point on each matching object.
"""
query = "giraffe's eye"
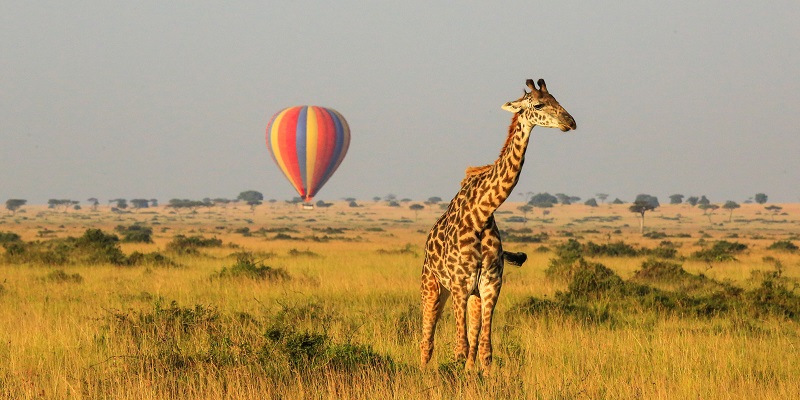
(538, 106)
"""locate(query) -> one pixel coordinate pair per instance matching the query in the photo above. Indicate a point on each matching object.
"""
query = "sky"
(154, 99)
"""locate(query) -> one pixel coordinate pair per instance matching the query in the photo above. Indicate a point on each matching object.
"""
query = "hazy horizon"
(167, 100)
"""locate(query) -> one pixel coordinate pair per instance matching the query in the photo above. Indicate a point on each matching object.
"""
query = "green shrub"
(9, 237)
(135, 233)
(247, 267)
(94, 247)
(783, 245)
(616, 249)
(62, 277)
(722, 250)
(562, 266)
(190, 244)
(152, 259)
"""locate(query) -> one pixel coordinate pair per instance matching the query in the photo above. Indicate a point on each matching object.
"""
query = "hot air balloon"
(308, 143)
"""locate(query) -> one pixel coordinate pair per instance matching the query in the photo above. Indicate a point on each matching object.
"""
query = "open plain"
(280, 302)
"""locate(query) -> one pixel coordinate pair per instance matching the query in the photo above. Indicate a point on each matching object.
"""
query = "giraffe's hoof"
(516, 259)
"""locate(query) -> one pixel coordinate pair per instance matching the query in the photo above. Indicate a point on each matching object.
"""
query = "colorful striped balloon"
(308, 143)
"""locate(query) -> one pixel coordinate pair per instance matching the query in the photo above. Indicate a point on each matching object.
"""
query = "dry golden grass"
(64, 339)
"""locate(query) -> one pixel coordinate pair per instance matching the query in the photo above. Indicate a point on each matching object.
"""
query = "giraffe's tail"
(515, 259)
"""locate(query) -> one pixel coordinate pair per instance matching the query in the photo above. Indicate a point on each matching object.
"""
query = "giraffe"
(463, 252)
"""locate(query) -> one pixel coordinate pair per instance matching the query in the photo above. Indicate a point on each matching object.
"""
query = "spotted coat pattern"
(463, 252)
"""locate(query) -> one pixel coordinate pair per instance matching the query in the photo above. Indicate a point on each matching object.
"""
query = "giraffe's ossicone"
(463, 253)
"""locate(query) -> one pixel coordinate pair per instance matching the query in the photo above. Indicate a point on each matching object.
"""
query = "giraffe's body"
(464, 254)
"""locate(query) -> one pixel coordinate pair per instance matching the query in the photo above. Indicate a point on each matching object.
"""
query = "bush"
(135, 233)
(94, 247)
(62, 277)
(97, 247)
(562, 267)
(190, 244)
(617, 249)
(247, 267)
(8, 238)
(783, 245)
(154, 259)
(722, 250)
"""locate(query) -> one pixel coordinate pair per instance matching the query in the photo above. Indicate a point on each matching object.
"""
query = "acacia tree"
(140, 203)
(14, 204)
(602, 196)
(730, 205)
(252, 198)
(692, 200)
(543, 200)
(708, 209)
(192, 205)
(94, 202)
(643, 204)
(525, 210)
(66, 203)
(676, 199)
(761, 198)
(433, 200)
(774, 210)
(416, 208)
(121, 203)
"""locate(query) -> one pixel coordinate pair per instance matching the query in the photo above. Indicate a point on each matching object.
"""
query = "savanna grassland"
(287, 303)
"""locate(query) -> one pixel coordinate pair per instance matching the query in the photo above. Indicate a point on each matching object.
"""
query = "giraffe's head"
(539, 107)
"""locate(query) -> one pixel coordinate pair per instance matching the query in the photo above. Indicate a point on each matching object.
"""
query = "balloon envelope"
(308, 143)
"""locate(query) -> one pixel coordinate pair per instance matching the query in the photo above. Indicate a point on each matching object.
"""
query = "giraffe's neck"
(502, 176)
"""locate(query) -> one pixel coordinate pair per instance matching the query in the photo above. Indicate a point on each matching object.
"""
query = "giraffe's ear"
(511, 107)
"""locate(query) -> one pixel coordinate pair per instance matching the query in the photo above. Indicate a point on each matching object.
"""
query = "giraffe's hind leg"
(489, 287)
(474, 319)
(434, 297)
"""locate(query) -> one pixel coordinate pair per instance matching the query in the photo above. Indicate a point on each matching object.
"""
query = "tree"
(703, 201)
(140, 203)
(94, 202)
(192, 205)
(153, 202)
(433, 200)
(525, 208)
(221, 202)
(774, 210)
(643, 204)
(591, 202)
(602, 196)
(708, 209)
(617, 201)
(676, 199)
(121, 203)
(66, 203)
(730, 206)
(761, 198)
(416, 208)
(543, 200)
(252, 198)
(563, 199)
(692, 200)
(15, 204)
